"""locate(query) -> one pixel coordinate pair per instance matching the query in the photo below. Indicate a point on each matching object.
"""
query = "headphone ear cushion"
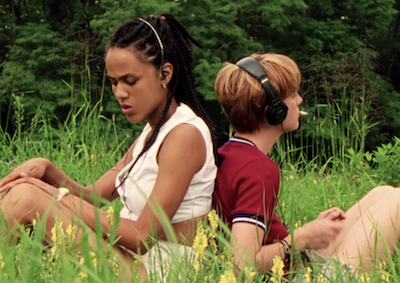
(276, 112)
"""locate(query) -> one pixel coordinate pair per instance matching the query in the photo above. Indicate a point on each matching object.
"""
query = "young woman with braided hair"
(168, 172)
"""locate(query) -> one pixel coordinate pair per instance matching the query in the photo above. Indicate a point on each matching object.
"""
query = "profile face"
(136, 85)
(293, 101)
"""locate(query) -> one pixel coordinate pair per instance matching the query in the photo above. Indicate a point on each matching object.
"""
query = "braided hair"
(137, 34)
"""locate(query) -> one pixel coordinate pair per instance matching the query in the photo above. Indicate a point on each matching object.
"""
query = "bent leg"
(24, 202)
(357, 211)
(374, 234)
(364, 204)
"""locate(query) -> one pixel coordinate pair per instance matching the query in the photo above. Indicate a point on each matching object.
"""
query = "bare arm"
(105, 185)
(181, 156)
(46, 171)
(247, 240)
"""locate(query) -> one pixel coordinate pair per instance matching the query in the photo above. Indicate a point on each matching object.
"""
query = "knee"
(382, 190)
(21, 195)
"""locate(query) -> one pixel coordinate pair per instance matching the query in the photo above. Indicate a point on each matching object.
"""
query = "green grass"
(86, 145)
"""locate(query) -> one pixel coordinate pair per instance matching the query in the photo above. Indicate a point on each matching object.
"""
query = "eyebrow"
(123, 77)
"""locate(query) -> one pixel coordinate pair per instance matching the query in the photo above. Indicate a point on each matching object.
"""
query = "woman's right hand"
(35, 168)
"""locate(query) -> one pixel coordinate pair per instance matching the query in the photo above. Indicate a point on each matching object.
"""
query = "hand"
(35, 168)
(321, 232)
(49, 189)
(334, 213)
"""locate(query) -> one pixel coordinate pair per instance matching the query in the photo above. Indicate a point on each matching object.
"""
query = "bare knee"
(379, 191)
(19, 201)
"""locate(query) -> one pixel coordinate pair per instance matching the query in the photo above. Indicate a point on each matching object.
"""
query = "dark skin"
(139, 88)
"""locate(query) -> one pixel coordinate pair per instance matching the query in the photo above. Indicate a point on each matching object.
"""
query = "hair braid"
(186, 90)
(177, 51)
(184, 59)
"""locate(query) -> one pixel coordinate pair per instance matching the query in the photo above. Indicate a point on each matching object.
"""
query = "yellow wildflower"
(82, 275)
(227, 277)
(249, 273)
(110, 216)
(71, 234)
(110, 220)
(307, 275)
(385, 276)
(365, 278)
(57, 234)
(94, 259)
(200, 242)
(277, 270)
(213, 219)
(2, 263)
(321, 278)
(115, 264)
(196, 265)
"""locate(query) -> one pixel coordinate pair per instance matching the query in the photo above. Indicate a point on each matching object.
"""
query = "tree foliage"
(52, 52)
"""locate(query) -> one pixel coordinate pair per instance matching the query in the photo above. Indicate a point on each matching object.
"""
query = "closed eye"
(112, 81)
(130, 82)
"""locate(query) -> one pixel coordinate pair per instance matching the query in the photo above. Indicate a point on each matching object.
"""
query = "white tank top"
(140, 182)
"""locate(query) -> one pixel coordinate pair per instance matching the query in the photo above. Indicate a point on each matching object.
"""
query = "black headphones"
(276, 111)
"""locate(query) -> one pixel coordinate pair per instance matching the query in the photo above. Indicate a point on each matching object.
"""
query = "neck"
(263, 139)
(156, 117)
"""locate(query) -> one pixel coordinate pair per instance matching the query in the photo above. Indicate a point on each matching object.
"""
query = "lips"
(126, 109)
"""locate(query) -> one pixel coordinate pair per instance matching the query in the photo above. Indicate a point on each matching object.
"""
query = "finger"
(32, 181)
(38, 183)
(334, 215)
(9, 178)
(325, 213)
(330, 211)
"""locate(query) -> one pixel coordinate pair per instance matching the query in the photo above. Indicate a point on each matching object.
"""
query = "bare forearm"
(266, 254)
(57, 178)
(128, 233)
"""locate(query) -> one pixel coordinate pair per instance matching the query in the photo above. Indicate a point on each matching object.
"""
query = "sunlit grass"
(86, 145)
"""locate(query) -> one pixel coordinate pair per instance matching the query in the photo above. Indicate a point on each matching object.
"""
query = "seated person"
(259, 94)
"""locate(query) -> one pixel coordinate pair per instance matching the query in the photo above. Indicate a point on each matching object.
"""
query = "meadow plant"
(86, 144)
(277, 270)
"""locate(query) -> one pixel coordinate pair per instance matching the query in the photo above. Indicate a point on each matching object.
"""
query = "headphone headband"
(276, 111)
(159, 43)
(253, 67)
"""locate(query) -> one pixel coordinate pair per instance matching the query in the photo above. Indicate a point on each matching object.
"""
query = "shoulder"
(184, 133)
(245, 159)
(183, 150)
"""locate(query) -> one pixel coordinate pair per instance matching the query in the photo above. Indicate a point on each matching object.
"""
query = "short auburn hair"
(243, 98)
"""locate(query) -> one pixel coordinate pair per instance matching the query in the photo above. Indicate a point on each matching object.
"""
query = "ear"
(168, 72)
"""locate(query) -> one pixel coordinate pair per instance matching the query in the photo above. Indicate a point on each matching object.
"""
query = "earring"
(164, 85)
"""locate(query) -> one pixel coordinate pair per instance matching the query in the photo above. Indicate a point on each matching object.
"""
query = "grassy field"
(87, 145)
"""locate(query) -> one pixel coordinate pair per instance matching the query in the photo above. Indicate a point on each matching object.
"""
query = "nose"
(300, 99)
(119, 91)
